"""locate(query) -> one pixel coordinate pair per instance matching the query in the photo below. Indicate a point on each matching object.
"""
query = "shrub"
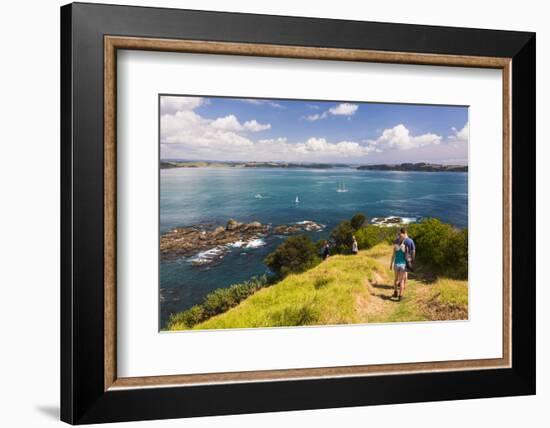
(217, 302)
(371, 235)
(358, 221)
(190, 317)
(294, 255)
(441, 247)
(342, 237)
(458, 254)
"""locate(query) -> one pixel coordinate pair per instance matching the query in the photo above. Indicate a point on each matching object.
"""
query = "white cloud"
(171, 105)
(462, 135)
(231, 123)
(314, 117)
(227, 123)
(322, 146)
(312, 149)
(279, 140)
(186, 134)
(252, 101)
(399, 138)
(192, 134)
(253, 126)
(261, 102)
(344, 109)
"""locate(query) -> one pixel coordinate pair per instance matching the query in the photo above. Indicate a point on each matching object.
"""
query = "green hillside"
(345, 289)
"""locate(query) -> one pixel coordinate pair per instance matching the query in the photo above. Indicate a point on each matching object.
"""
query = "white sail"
(341, 188)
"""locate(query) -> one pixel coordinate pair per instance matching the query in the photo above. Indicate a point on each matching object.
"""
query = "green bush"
(358, 221)
(342, 237)
(458, 254)
(218, 301)
(190, 317)
(296, 254)
(371, 235)
(441, 247)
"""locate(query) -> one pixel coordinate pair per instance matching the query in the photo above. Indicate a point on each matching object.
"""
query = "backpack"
(408, 258)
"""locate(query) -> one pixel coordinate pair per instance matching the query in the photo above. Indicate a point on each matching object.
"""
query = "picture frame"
(91, 391)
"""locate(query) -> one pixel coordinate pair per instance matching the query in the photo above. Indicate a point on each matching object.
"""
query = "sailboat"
(341, 188)
(297, 200)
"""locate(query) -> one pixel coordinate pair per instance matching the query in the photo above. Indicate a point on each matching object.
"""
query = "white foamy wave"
(311, 225)
(255, 243)
(208, 256)
(260, 196)
(392, 220)
(237, 244)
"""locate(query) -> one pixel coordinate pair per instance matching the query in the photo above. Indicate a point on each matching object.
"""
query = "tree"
(297, 254)
(358, 221)
(342, 236)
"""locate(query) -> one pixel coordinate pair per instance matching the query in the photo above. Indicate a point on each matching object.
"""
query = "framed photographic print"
(265, 213)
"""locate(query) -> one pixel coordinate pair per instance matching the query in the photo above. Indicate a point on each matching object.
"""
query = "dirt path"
(377, 303)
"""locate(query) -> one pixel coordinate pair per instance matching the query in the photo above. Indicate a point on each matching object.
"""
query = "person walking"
(399, 264)
(410, 253)
(326, 250)
(354, 246)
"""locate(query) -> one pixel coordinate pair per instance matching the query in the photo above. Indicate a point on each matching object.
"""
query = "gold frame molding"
(113, 43)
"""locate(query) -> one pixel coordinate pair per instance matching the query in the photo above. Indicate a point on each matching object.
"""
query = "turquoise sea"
(190, 196)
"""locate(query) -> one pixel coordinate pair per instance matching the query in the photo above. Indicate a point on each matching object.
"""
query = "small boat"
(342, 188)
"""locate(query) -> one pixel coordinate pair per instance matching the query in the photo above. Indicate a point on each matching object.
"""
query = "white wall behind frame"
(31, 196)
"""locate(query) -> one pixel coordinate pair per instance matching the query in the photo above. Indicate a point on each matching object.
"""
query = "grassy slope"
(346, 290)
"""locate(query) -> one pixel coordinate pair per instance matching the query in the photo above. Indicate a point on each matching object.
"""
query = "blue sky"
(214, 128)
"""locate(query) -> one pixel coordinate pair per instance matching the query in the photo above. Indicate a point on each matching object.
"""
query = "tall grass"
(323, 295)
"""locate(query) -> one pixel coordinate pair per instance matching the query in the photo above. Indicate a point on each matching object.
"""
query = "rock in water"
(218, 230)
(301, 226)
(232, 224)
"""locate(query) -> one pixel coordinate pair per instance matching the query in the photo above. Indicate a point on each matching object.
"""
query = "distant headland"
(165, 164)
(421, 166)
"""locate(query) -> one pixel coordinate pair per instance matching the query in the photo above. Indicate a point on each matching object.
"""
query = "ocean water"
(190, 196)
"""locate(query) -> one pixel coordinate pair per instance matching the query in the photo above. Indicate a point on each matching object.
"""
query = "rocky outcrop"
(188, 241)
(302, 226)
(392, 221)
(215, 241)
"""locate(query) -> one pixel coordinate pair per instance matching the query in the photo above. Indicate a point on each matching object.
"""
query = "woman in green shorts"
(399, 264)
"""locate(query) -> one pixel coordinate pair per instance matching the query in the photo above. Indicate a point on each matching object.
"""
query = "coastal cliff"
(420, 167)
